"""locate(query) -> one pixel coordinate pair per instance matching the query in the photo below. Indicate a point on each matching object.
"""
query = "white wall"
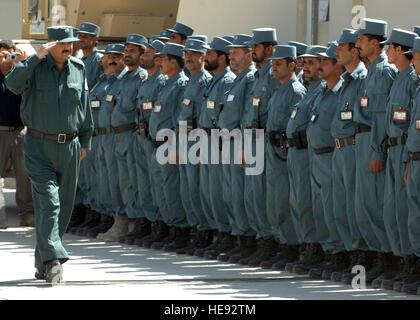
(10, 19)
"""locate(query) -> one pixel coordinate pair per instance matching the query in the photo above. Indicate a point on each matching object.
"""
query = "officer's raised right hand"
(45, 48)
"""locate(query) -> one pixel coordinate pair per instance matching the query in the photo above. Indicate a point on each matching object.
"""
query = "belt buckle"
(337, 143)
(61, 138)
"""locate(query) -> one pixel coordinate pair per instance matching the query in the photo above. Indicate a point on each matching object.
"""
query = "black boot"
(141, 229)
(203, 239)
(77, 217)
(193, 242)
(161, 242)
(305, 250)
(403, 270)
(247, 245)
(365, 259)
(181, 240)
(377, 269)
(391, 269)
(260, 244)
(86, 221)
(288, 253)
(94, 221)
(162, 231)
(338, 261)
(269, 250)
(314, 259)
(411, 283)
(217, 239)
(224, 243)
(338, 274)
(104, 225)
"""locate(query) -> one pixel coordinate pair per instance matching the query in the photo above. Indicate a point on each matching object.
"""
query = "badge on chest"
(346, 115)
(418, 124)
(256, 102)
(157, 108)
(400, 115)
(95, 104)
(147, 105)
(186, 102)
(210, 104)
(230, 97)
(109, 98)
(364, 102)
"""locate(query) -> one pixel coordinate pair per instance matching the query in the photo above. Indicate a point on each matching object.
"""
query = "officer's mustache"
(65, 51)
(113, 64)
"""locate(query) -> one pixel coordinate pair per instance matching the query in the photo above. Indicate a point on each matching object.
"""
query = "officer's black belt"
(299, 140)
(156, 144)
(360, 127)
(392, 142)
(59, 138)
(323, 150)
(124, 128)
(414, 156)
(349, 141)
(101, 131)
(11, 129)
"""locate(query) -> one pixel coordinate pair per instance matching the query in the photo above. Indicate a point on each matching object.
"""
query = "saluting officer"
(55, 109)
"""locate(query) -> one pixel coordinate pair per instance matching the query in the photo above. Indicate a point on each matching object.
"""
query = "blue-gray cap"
(283, 52)
(240, 40)
(173, 49)
(75, 32)
(401, 37)
(300, 47)
(262, 35)
(153, 38)
(61, 34)
(115, 48)
(330, 53)
(90, 28)
(416, 29)
(348, 36)
(164, 35)
(373, 27)
(228, 38)
(182, 29)
(199, 37)
(137, 39)
(415, 46)
(313, 52)
(219, 44)
(195, 45)
(157, 45)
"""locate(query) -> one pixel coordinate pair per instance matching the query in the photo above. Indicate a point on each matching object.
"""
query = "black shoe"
(338, 274)
(259, 247)
(159, 234)
(364, 258)
(53, 271)
(224, 256)
(225, 243)
(391, 270)
(40, 275)
(142, 228)
(159, 244)
(269, 250)
(88, 217)
(406, 263)
(181, 240)
(314, 260)
(77, 217)
(104, 225)
(412, 281)
(288, 253)
(95, 219)
(339, 261)
(247, 247)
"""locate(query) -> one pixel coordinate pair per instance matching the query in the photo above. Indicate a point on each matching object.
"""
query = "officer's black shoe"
(159, 244)
(154, 231)
(314, 260)
(288, 253)
(104, 225)
(391, 269)
(305, 251)
(269, 250)
(201, 252)
(337, 275)
(339, 261)
(202, 240)
(53, 271)
(412, 281)
(142, 228)
(259, 246)
(181, 240)
(365, 259)
(224, 243)
(418, 291)
(86, 221)
(162, 231)
(248, 245)
(406, 264)
(40, 275)
(77, 217)
(377, 269)
(94, 221)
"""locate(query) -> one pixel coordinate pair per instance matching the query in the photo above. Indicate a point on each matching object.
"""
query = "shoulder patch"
(182, 82)
(250, 77)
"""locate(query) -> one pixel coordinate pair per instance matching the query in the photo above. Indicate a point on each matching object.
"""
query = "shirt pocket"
(74, 91)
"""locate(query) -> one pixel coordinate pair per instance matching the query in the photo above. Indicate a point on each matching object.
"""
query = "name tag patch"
(400, 115)
(256, 102)
(109, 98)
(147, 105)
(210, 104)
(294, 113)
(95, 104)
(186, 102)
(346, 115)
(230, 97)
(418, 124)
(314, 116)
(157, 108)
(364, 102)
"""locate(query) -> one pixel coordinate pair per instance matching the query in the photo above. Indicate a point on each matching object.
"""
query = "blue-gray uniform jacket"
(147, 95)
(192, 101)
(52, 101)
(125, 109)
(343, 124)
(216, 91)
(378, 82)
(322, 112)
(167, 105)
(400, 103)
(111, 98)
(257, 107)
(233, 107)
(413, 140)
(93, 68)
(97, 96)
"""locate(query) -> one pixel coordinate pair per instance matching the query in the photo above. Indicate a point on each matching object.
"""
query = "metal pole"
(309, 22)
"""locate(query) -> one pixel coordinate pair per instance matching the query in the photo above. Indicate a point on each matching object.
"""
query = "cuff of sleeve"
(33, 61)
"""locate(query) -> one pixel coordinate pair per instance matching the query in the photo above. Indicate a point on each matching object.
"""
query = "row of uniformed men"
(341, 152)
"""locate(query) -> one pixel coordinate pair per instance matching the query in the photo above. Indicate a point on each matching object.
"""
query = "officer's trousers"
(53, 170)
(147, 192)
(322, 202)
(369, 197)
(395, 203)
(413, 191)
(300, 195)
(344, 185)
(279, 216)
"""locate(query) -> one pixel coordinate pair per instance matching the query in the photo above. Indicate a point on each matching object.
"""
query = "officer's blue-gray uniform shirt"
(343, 125)
(300, 118)
(125, 109)
(322, 112)
(218, 88)
(166, 110)
(264, 86)
(53, 102)
(147, 94)
(377, 85)
(97, 96)
(193, 98)
(93, 67)
(400, 102)
(413, 140)
(282, 104)
(234, 103)
(111, 98)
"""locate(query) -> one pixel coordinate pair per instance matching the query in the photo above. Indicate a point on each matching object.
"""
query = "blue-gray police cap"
(182, 29)
(219, 44)
(416, 29)
(115, 48)
(373, 27)
(173, 49)
(137, 39)
(157, 45)
(401, 37)
(164, 35)
(195, 45)
(283, 52)
(228, 38)
(198, 37)
(153, 38)
(90, 28)
(415, 46)
(241, 40)
(262, 35)
(348, 36)
(61, 34)
(300, 47)
(313, 52)
(75, 32)
(330, 53)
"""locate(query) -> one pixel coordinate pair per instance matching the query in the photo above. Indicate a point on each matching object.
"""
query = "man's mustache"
(65, 51)
(113, 64)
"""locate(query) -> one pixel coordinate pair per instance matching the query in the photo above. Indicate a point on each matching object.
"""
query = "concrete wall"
(10, 19)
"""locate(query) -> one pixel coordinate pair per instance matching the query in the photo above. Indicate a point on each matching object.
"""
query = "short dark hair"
(221, 53)
(289, 60)
(353, 46)
(268, 44)
(409, 56)
(377, 37)
(178, 59)
(7, 44)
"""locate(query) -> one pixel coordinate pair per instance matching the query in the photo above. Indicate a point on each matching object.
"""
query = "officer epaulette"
(250, 77)
(143, 75)
(182, 82)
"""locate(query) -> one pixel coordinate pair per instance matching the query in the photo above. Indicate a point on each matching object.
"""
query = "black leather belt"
(59, 138)
(323, 150)
(11, 129)
(414, 156)
(392, 142)
(124, 128)
(349, 141)
(100, 131)
(360, 127)
(299, 140)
